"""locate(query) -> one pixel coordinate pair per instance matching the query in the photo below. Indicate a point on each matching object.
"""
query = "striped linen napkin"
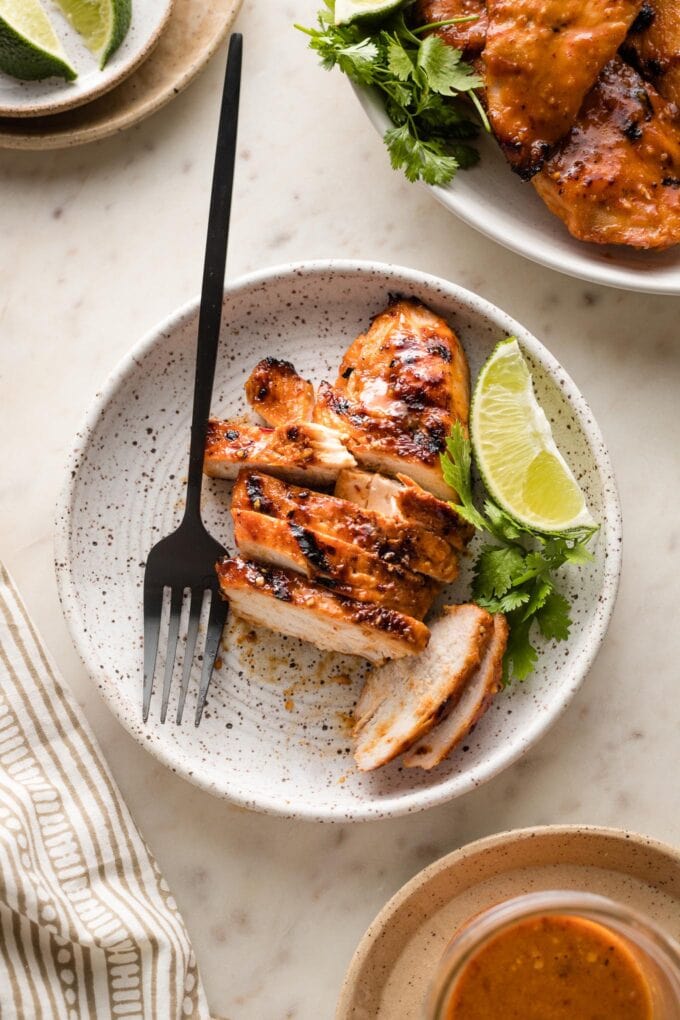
(88, 928)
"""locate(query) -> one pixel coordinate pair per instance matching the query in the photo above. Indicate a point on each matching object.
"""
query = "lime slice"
(103, 24)
(347, 11)
(516, 454)
(29, 48)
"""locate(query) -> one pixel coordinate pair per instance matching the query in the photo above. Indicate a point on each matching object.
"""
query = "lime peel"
(518, 459)
(29, 47)
(348, 11)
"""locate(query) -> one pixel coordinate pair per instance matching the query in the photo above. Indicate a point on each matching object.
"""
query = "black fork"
(185, 560)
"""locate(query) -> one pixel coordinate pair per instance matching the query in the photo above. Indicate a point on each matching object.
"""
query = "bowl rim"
(396, 804)
(577, 266)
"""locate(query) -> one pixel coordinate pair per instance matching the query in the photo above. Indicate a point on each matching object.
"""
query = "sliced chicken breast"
(400, 705)
(404, 500)
(346, 568)
(398, 543)
(400, 387)
(540, 60)
(307, 454)
(463, 713)
(278, 394)
(287, 603)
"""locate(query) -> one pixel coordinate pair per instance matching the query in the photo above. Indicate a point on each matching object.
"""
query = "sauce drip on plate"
(552, 968)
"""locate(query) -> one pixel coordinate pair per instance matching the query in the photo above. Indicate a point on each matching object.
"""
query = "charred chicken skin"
(615, 179)
(653, 45)
(401, 543)
(278, 394)
(540, 60)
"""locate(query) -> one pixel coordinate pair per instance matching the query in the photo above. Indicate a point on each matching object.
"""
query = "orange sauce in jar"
(552, 968)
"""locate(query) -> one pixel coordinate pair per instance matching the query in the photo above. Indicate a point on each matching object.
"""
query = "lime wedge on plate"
(347, 11)
(517, 457)
(103, 24)
(29, 48)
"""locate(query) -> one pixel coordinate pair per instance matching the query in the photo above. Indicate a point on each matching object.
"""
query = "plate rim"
(600, 275)
(467, 851)
(49, 108)
(394, 805)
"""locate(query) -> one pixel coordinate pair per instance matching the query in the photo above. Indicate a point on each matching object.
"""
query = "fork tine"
(153, 609)
(218, 615)
(171, 652)
(189, 649)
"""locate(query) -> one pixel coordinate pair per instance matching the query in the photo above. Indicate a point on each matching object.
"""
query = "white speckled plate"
(395, 961)
(276, 735)
(35, 98)
(493, 200)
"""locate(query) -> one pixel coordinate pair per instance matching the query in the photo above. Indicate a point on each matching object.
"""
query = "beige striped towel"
(88, 928)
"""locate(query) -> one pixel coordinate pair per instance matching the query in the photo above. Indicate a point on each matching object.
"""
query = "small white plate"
(275, 735)
(493, 199)
(36, 98)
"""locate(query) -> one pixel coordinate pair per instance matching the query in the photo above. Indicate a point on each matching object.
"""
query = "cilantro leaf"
(419, 160)
(553, 617)
(495, 570)
(399, 60)
(443, 69)
(521, 655)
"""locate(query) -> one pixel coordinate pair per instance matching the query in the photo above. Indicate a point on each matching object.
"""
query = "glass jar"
(656, 953)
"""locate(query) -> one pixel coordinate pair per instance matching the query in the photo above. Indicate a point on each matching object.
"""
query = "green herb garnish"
(421, 81)
(515, 575)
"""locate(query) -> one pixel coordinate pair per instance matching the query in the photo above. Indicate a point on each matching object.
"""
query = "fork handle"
(210, 316)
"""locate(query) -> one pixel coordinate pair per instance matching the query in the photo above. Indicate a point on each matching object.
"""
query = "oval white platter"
(493, 199)
(37, 98)
(276, 732)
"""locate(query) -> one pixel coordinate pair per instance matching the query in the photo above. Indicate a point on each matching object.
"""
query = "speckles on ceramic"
(33, 98)
(275, 736)
(395, 962)
(192, 35)
(493, 200)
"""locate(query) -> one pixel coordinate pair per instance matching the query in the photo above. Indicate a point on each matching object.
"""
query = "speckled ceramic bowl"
(395, 962)
(276, 733)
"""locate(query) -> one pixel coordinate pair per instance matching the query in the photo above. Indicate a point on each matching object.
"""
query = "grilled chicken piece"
(400, 543)
(654, 46)
(465, 711)
(286, 602)
(279, 394)
(347, 569)
(404, 500)
(615, 179)
(400, 387)
(399, 706)
(541, 58)
(308, 454)
(468, 36)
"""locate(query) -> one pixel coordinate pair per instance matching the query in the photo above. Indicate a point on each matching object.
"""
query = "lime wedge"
(347, 11)
(518, 459)
(29, 48)
(103, 24)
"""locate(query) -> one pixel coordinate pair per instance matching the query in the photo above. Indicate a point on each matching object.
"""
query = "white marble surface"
(100, 243)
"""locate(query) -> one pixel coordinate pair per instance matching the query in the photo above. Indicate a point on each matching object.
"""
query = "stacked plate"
(168, 43)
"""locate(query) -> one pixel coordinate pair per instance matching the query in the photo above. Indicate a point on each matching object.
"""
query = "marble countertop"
(100, 243)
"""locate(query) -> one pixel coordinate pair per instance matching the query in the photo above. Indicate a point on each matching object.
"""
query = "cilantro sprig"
(515, 574)
(421, 81)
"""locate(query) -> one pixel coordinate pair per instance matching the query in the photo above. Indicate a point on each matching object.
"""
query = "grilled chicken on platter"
(654, 46)
(400, 703)
(278, 394)
(401, 543)
(287, 602)
(307, 453)
(615, 179)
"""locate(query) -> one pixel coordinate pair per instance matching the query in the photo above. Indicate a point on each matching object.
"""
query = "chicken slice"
(399, 705)
(287, 603)
(308, 454)
(401, 386)
(279, 394)
(654, 46)
(403, 499)
(541, 58)
(400, 543)
(468, 36)
(465, 712)
(347, 569)
(615, 179)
